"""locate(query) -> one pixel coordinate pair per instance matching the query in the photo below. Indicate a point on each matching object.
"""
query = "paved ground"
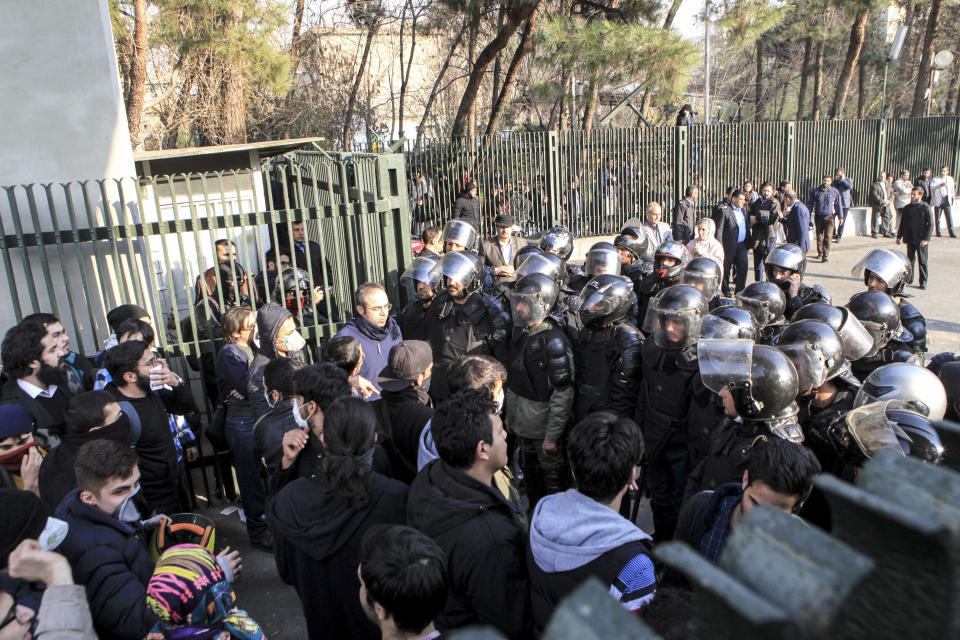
(275, 605)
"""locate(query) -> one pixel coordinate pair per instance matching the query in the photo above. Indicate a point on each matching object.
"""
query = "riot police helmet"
(548, 264)
(677, 313)
(788, 257)
(459, 235)
(425, 270)
(920, 388)
(816, 351)
(889, 266)
(880, 316)
(704, 274)
(765, 301)
(557, 240)
(669, 260)
(532, 299)
(602, 258)
(857, 341)
(729, 322)
(463, 267)
(605, 299)
(895, 426)
(761, 379)
(950, 377)
(526, 251)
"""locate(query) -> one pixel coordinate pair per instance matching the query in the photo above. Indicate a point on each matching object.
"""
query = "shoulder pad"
(909, 312)
(559, 364)
(626, 335)
(822, 293)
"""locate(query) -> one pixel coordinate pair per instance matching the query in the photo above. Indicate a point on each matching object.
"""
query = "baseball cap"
(407, 360)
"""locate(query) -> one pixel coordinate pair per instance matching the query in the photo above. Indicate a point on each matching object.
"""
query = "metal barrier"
(593, 181)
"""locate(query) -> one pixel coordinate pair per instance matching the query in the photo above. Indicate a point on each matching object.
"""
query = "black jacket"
(156, 451)
(269, 430)
(481, 535)
(684, 220)
(916, 223)
(47, 414)
(876, 197)
(700, 511)
(411, 321)
(57, 475)
(467, 209)
(406, 416)
(317, 550)
(767, 214)
(114, 566)
(727, 230)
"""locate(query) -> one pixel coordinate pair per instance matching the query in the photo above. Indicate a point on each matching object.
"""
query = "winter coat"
(376, 342)
(113, 564)
(317, 547)
(481, 536)
(269, 319)
(467, 209)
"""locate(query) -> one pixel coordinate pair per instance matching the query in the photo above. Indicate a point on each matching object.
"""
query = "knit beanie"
(24, 516)
(14, 421)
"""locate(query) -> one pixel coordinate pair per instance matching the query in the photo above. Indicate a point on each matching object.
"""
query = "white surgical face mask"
(300, 420)
(128, 511)
(270, 403)
(295, 342)
(54, 532)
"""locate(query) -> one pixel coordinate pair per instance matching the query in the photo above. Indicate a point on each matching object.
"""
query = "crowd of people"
(476, 455)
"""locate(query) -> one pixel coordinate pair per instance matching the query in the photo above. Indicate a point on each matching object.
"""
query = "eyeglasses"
(384, 307)
(149, 363)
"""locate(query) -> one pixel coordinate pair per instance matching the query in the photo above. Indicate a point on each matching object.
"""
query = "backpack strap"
(134, 417)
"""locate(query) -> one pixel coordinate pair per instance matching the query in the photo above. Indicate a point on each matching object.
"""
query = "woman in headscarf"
(705, 244)
(190, 593)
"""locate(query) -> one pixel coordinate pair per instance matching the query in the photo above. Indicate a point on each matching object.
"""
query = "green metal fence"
(79, 249)
(594, 180)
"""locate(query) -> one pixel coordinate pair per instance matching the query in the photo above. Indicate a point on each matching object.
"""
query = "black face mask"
(118, 430)
(48, 375)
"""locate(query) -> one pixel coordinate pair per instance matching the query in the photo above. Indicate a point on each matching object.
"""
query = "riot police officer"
(857, 341)
(920, 388)
(602, 258)
(559, 241)
(462, 319)
(540, 391)
(424, 274)
(757, 386)
(705, 274)
(730, 323)
(880, 316)
(765, 300)
(673, 406)
(785, 266)
(459, 235)
(889, 271)
(608, 348)
(668, 262)
(634, 249)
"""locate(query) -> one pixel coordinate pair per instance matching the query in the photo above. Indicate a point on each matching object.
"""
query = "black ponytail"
(349, 425)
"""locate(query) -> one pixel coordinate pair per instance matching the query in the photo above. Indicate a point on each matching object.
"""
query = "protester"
(319, 522)
(20, 454)
(78, 369)
(826, 204)
(944, 193)
(373, 326)
(466, 208)
(685, 215)
(796, 221)
(879, 202)
(843, 184)
(403, 582)
(279, 389)
(279, 338)
(405, 383)
(432, 238)
(705, 245)
(453, 501)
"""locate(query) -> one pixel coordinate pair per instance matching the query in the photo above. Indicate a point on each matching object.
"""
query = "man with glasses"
(374, 328)
(142, 378)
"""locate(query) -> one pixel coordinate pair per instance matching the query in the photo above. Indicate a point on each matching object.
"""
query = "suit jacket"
(937, 184)
(796, 223)
(727, 230)
(767, 214)
(877, 198)
(493, 254)
(924, 183)
(684, 220)
(844, 186)
(916, 223)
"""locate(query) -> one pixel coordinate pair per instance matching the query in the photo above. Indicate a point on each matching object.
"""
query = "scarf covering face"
(379, 334)
(194, 601)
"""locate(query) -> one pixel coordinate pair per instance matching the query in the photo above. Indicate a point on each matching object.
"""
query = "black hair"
(85, 411)
(349, 426)
(135, 325)
(430, 234)
(767, 183)
(729, 190)
(280, 374)
(784, 466)
(736, 193)
(784, 183)
(122, 359)
(343, 351)
(20, 347)
(475, 372)
(322, 383)
(99, 460)
(360, 295)
(690, 189)
(671, 614)
(603, 448)
(405, 572)
(117, 315)
(920, 189)
(233, 321)
(460, 422)
(41, 317)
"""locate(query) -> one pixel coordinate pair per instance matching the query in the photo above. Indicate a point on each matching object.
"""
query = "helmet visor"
(527, 309)
(887, 265)
(857, 341)
(592, 305)
(759, 308)
(812, 368)
(426, 270)
(725, 363)
(460, 233)
(601, 262)
(459, 268)
(538, 263)
(872, 430)
(707, 283)
(717, 328)
(676, 329)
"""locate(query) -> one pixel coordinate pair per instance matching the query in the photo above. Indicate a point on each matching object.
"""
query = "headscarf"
(190, 595)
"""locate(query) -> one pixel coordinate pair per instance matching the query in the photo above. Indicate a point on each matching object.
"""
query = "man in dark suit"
(733, 232)
(916, 226)
(923, 181)
(796, 220)
(764, 216)
(685, 215)
(879, 200)
(500, 252)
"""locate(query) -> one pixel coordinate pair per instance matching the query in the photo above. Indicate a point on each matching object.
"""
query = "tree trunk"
(233, 112)
(180, 106)
(497, 63)
(861, 89)
(804, 71)
(436, 84)
(907, 64)
(858, 33)
(667, 23)
(406, 73)
(590, 109)
(817, 82)
(125, 61)
(354, 90)
(783, 101)
(926, 60)
(526, 43)
(514, 18)
(758, 83)
(138, 72)
(295, 42)
(471, 59)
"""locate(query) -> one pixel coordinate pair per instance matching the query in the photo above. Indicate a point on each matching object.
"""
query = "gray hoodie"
(569, 530)
(269, 319)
